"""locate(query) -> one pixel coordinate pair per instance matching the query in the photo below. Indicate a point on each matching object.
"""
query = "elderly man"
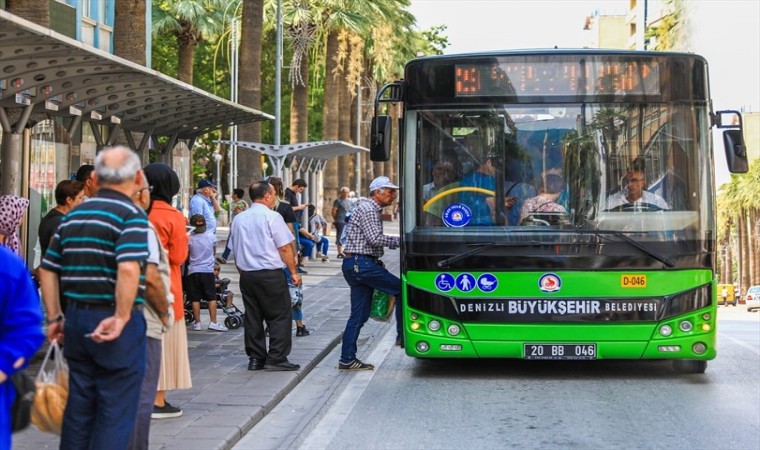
(204, 202)
(634, 192)
(95, 261)
(262, 245)
(363, 270)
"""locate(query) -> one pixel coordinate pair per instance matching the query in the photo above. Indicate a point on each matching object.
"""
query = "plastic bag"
(382, 306)
(52, 391)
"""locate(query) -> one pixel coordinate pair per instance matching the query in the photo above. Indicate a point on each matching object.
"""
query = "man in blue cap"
(204, 202)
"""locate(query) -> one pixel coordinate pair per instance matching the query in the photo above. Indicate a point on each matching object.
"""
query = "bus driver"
(634, 192)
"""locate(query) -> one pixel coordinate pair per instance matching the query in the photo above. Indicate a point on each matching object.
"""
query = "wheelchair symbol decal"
(444, 282)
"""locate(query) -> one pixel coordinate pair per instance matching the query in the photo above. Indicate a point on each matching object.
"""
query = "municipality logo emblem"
(549, 282)
(457, 215)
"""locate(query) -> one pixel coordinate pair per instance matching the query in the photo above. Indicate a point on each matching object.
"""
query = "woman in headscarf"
(12, 209)
(170, 227)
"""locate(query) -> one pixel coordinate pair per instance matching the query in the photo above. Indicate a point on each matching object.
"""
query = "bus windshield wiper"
(663, 259)
(479, 247)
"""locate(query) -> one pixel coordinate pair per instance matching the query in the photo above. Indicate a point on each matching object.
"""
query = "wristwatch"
(57, 319)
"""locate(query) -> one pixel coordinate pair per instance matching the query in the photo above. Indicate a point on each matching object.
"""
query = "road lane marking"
(330, 423)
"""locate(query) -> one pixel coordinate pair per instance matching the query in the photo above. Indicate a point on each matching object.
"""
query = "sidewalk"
(226, 399)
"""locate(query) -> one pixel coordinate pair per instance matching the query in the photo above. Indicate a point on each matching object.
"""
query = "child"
(318, 227)
(223, 289)
(200, 269)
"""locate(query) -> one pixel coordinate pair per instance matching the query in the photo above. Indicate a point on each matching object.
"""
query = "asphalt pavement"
(226, 399)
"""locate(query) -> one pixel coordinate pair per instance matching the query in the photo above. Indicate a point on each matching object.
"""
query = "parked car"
(752, 299)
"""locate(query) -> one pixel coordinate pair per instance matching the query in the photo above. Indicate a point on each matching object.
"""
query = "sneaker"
(325, 258)
(301, 271)
(355, 365)
(213, 326)
(196, 326)
(302, 331)
(229, 310)
(221, 260)
(165, 412)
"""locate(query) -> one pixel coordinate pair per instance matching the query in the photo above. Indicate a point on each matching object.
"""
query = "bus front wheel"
(689, 365)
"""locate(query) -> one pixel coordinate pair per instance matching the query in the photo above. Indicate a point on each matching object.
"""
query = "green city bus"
(523, 232)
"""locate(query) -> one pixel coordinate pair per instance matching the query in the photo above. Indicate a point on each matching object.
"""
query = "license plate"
(560, 351)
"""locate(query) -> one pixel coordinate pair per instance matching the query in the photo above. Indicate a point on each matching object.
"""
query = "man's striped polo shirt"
(90, 242)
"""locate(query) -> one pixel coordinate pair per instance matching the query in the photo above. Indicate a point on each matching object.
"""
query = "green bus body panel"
(616, 340)
(574, 284)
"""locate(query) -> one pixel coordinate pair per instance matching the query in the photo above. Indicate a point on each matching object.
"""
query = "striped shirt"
(90, 243)
(364, 231)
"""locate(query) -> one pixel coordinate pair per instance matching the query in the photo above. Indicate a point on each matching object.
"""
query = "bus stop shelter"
(46, 74)
(307, 158)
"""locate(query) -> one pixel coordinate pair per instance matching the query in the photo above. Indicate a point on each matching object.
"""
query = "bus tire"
(689, 365)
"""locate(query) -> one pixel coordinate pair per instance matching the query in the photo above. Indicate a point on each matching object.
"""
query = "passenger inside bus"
(482, 205)
(518, 187)
(447, 172)
(544, 206)
(633, 196)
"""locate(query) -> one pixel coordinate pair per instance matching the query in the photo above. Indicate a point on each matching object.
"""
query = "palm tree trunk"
(331, 117)
(249, 87)
(129, 30)
(186, 56)
(744, 243)
(299, 105)
(755, 246)
(345, 162)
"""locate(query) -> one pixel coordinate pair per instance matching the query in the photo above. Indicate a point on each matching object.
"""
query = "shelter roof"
(58, 75)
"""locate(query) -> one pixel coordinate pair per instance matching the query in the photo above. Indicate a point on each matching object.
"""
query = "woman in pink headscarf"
(12, 209)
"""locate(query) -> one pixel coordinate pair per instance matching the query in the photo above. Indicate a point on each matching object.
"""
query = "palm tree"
(249, 87)
(37, 11)
(129, 30)
(190, 21)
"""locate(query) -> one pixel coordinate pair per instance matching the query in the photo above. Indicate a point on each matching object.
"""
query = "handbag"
(21, 410)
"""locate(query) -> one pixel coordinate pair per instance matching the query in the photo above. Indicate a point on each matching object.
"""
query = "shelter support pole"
(76, 121)
(13, 149)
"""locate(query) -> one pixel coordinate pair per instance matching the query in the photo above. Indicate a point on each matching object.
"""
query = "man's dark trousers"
(368, 276)
(104, 380)
(267, 299)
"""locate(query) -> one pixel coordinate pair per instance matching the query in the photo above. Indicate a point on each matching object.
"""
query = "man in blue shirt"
(204, 202)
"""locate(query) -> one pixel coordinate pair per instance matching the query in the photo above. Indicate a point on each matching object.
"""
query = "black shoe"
(301, 271)
(221, 260)
(302, 331)
(355, 365)
(281, 367)
(255, 364)
(400, 342)
(165, 412)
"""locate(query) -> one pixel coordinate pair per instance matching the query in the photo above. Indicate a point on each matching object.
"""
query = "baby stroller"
(234, 319)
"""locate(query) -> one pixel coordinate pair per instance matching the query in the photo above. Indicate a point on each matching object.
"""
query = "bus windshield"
(630, 168)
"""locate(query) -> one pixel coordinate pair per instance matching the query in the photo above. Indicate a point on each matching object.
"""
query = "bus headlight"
(706, 327)
(699, 348)
(415, 326)
(685, 326)
(434, 325)
(454, 329)
(422, 346)
(706, 316)
(666, 330)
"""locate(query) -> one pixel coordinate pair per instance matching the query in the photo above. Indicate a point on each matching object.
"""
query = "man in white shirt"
(262, 245)
(634, 193)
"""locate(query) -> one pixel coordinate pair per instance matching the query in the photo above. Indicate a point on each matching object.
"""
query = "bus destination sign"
(535, 78)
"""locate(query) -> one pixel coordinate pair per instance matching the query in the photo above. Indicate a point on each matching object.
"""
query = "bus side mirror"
(736, 151)
(380, 141)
